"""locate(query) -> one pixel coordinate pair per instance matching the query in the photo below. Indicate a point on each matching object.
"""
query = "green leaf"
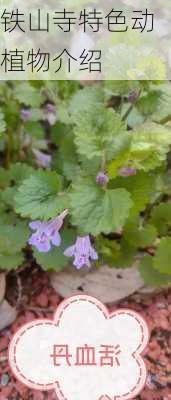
(39, 196)
(161, 217)
(2, 205)
(35, 130)
(149, 146)
(139, 236)
(55, 259)
(162, 258)
(60, 132)
(66, 160)
(2, 122)
(92, 167)
(131, 63)
(114, 254)
(14, 176)
(126, 255)
(114, 166)
(166, 183)
(150, 275)
(152, 67)
(9, 262)
(108, 250)
(140, 187)
(84, 101)
(96, 210)
(4, 178)
(36, 114)
(101, 134)
(120, 87)
(8, 195)
(163, 109)
(18, 172)
(134, 118)
(28, 95)
(63, 113)
(98, 129)
(148, 149)
(13, 238)
(148, 102)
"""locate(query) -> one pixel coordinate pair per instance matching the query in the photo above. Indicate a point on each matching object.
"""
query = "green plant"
(101, 152)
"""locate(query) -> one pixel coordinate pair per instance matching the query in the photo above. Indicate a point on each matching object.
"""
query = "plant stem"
(9, 146)
(125, 116)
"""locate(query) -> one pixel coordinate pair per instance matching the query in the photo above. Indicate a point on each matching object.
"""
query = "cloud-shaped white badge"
(84, 353)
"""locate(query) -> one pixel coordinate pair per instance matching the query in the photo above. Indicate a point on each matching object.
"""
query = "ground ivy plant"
(85, 175)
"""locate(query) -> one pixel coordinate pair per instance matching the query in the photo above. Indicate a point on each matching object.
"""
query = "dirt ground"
(35, 298)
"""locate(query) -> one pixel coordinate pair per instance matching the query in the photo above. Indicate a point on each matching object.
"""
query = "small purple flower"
(43, 160)
(50, 107)
(132, 97)
(82, 251)
(102, 179)
(127, 171)
(25, 114)
(47, 233)
(50, 114)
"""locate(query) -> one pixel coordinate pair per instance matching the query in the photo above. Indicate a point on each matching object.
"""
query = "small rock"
(42, 300)
(7, 314)
(4, 379)
(106, 284)
(2, 286)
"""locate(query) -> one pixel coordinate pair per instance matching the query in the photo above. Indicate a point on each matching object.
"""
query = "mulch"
(35, 298)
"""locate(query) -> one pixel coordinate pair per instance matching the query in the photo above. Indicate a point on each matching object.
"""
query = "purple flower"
(50, 107)
(25, 114)
(102, 179)
(82, 251)
(127, 171)
(46, 233)
(42, 159)
(50, 114)
(132, 97)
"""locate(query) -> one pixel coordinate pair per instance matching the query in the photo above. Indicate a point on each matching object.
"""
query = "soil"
(34, 298)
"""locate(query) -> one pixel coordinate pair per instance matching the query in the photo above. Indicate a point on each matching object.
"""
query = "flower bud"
(127, 171)
(102, 179)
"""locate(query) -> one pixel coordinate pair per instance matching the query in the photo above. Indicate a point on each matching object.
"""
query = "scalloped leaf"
(13, 238)
(150, 275)
(161, 217)
(28, 95)
(96, 210)
(162, 258)
(39, 196)
(9, 262)
(150, 145)
(140, 186)
(140, 236)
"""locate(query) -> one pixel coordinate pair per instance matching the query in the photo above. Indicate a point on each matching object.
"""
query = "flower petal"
(33, 239)
(93, 254)
(81, 261)
(56, 239)
(43, 160)
(34, 225)
(43, 247)
(69, 252)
